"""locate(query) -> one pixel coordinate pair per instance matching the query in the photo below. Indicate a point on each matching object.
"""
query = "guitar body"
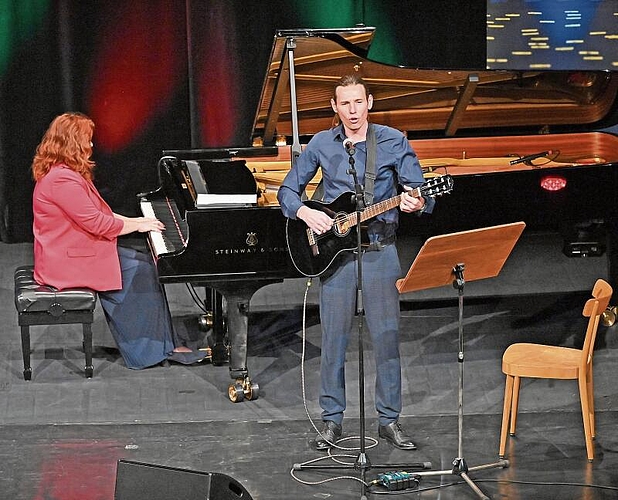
(328, 246)
(313, 253)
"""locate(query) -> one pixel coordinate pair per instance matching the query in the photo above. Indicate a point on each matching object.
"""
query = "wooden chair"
(553, 362)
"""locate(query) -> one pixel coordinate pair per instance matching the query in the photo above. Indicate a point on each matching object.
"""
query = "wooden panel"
(469, 156)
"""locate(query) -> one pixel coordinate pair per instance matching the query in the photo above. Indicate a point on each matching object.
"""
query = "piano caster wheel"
(235, 393)
(253, 392)
(243, 388)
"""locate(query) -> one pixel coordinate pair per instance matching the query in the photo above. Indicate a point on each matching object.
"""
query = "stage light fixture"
(553, 182)
(586, 239)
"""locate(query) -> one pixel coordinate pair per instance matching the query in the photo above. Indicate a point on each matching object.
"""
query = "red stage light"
(136, 70)
(553, 182)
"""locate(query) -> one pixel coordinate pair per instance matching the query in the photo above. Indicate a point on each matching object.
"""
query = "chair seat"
(32, 297)
(541, 361)
(45, 305)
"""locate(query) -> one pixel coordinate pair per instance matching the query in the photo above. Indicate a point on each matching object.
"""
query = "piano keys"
(174, 238)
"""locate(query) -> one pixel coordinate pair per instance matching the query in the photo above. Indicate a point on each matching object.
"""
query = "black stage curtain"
(49, 72)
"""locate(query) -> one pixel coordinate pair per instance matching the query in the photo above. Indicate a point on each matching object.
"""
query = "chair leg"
(515, 404)
(506, 413)
(25, 350)
(88, 349)
(583, 396)
(590, 386)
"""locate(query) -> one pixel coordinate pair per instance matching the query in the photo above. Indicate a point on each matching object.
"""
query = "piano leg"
(238, 326)
(238, 296)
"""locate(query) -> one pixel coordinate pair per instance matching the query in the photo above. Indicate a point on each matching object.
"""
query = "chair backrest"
(593, 309)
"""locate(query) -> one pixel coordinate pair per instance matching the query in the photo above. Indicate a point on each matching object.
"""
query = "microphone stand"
(362, 461)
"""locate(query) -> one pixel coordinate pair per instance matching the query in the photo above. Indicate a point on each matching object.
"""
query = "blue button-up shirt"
(396, 164)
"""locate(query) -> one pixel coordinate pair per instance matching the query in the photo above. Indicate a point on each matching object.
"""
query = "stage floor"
(61, 435)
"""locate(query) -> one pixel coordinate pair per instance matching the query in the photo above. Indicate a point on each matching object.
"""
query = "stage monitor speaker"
(141, 481)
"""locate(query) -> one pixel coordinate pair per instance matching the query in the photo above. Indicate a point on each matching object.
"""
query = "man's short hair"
(348, 80)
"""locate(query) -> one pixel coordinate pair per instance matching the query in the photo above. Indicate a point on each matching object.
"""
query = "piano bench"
(45, 305)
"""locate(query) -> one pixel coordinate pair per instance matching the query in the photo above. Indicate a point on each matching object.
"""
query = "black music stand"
(481, 253)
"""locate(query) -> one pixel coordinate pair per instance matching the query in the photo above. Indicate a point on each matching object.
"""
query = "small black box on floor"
(141, 481)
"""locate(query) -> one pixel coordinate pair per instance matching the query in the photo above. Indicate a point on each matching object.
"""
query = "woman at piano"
(75, 245)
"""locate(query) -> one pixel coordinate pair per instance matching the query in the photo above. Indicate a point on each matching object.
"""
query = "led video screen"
(552, 34)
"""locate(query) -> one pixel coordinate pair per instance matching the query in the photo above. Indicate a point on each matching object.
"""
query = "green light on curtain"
(347, 14)
(327, 14)
(19, 19)
(384, 47)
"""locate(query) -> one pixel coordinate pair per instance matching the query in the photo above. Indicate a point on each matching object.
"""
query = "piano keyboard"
(174, 238)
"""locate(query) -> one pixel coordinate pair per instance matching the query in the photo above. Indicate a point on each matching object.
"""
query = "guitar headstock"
(437, 186)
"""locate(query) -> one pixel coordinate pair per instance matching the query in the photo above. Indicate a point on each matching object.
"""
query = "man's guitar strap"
(370, 168)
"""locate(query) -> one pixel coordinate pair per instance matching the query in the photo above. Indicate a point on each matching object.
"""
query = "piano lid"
(439, 102)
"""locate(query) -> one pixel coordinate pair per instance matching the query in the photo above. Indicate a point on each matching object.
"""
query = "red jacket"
(75, 233)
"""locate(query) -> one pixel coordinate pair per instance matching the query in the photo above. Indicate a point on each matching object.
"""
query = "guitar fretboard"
(374, 210)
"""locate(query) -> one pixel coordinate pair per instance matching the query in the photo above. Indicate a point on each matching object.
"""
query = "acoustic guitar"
(313, 253)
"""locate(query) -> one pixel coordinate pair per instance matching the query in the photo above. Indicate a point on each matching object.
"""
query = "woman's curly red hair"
(67, 141)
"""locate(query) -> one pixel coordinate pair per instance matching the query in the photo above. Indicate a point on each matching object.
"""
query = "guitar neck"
(380, 207)
(383, 206)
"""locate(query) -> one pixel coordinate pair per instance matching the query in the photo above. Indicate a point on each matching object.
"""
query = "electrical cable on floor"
(549, 483)
(414, 491)
(329, 456)
(196, 298)
(501, 481)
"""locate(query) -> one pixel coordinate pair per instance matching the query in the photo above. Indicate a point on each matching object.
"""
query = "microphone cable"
(330, 456)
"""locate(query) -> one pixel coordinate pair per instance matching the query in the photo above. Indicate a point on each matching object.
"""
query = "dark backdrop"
(166, 74)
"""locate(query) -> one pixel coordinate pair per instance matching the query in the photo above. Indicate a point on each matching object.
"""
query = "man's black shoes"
(395, 435)
(330, 433)
(392, 432)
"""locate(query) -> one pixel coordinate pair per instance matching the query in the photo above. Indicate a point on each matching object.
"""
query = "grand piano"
(478, 126)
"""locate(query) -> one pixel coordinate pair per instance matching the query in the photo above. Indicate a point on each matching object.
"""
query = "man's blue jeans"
(337, 314)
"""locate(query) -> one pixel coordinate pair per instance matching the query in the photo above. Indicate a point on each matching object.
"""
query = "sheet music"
(205, 199)
(210, 200)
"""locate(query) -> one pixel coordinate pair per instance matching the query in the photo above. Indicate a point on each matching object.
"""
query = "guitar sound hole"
(341, 225)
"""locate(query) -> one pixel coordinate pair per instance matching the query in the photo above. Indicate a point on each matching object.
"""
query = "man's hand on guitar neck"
(316, 220)
(410, 203)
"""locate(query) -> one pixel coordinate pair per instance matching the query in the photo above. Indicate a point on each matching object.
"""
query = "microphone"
(529, 158)
(349, 147)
